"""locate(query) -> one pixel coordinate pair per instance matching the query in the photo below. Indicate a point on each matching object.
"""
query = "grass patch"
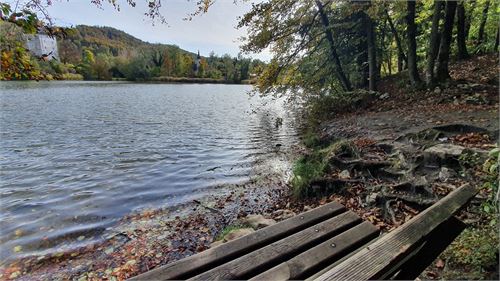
(316, 165)
(306, 170)
(310, 139)
(227, 230)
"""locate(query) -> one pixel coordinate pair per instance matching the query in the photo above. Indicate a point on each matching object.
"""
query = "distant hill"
(102, 39)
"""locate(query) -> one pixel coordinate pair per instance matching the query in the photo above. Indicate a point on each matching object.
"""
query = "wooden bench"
(327, 243)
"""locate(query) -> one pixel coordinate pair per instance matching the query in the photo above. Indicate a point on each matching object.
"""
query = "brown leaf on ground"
(439, 263)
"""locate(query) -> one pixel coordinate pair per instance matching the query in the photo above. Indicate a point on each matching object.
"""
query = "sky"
(214, 31)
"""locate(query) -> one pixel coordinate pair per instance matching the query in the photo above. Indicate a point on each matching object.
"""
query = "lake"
(77, 156)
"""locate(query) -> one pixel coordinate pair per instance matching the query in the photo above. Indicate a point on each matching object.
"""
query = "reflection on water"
(76, 156)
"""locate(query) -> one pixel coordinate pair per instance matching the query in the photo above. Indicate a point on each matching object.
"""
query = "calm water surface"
(77, 156)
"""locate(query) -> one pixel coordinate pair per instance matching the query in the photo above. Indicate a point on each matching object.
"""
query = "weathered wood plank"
(377, 258)
(213, 257)
(328, 251)
(260, 260)
(437, 241)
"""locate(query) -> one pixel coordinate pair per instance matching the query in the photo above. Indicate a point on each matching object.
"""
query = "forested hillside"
(104, 53)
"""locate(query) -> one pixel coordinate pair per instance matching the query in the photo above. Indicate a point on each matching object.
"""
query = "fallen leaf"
(440, 263)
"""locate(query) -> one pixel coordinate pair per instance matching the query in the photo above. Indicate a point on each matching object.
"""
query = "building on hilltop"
(42, 46)
(196, 66)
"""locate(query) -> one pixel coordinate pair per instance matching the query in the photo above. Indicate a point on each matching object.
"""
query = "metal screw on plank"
(317, 230)
(301, 218)
(333, 245)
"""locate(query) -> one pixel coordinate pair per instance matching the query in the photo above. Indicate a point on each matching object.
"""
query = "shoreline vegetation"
(104, 54)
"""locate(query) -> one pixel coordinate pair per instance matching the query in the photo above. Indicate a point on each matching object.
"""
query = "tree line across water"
(105, 53)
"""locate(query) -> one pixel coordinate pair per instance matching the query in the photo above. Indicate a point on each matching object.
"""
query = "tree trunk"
(346, 85)
(372, 59)
(442, 72)
(401, 54)
(389, 62)
(412, 43)
(401, 63)
(433, 50)
(461, 44)
(497, 40)
(382, 55)
(483, 23)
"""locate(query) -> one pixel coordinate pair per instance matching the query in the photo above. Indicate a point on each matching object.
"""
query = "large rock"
(258, 221)
(444, 151)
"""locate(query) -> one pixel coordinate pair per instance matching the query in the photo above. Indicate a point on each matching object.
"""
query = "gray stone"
(445, 150)
(258, 221)
(307, 208)
(384, 96)
(437, 90)
(284, 214)
(372, 198)
(420, 181)
(446, 173)
(344, 175)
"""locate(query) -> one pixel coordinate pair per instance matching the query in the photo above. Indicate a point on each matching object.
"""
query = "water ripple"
(76, 156)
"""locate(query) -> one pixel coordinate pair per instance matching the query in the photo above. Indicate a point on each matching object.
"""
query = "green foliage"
(310, 139)
(103, 53)
(469, 159)
(18, 65)
(474, 251)
(315, 165)
(227, 230)
(306, 170)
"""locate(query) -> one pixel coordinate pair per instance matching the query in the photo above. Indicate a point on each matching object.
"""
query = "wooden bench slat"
(372, 261)
(434, 244)
(325, 252)
(261, 259)
(213, 257)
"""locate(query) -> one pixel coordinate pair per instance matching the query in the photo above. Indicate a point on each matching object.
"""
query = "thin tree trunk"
(389, 62)
(381, 52)
(346, 85)
(401, 54)
(412, 43)
(433, 50)
(484, 17)
(401, 62)
(372, 57)
(461, 44)
(362, 57)
(497, 40)
(442, 72)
